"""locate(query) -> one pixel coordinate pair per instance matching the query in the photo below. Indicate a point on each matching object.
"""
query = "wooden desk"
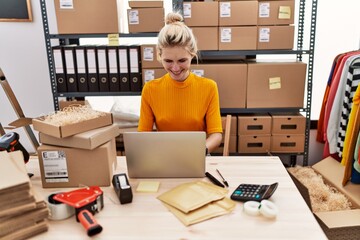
(147, 218)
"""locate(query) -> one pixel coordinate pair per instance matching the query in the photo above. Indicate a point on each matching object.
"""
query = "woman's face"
(176, 61)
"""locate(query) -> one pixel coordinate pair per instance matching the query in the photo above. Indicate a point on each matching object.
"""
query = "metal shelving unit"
(207, 55)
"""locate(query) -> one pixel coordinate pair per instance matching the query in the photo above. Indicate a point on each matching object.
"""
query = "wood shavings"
(72, 114)
(323, 197)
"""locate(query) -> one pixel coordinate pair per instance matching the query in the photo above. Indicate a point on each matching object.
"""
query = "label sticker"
(187, 10)
(149, 75)
(284, 12)
(148, 54)
(264, 35)
(225, 9)
(55, 167)
(113, 39)
(66, 4)
(264, 10)
(198, 72)
(225, 35)
(274, 83)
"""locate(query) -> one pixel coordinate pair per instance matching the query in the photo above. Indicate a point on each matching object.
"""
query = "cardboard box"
(145, 19)
(254, 124)
(71, 129)
(146, 4)
(149, 56)
(292, 143)
(238, 13)
(206, 37)
(63, 104)
(231, 81)
(238, 38)
(294, 123)
(276, 12)
(254, 143)
(276, 85)
(275, 37)
(87, 16)
(153, 73)
(73, 167)
(337, 225)
(86, 140)
(201, 14)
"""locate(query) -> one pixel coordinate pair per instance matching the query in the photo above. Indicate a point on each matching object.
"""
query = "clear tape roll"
(58, 210)
(266, 208)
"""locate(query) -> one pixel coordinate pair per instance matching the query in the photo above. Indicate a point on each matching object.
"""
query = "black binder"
(70, 62)
(113, 59)
(59, 65)
(135, 68)
(123, 53)
(103, 69)
(92, 69)
(81, 69)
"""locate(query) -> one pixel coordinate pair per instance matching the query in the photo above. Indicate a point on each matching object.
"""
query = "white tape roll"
(58, 210)
(252, 208)
(268, 209)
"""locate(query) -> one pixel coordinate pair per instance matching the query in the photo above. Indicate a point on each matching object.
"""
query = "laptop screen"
(165, 154)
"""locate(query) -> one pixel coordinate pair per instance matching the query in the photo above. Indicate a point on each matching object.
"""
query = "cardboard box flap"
(21, 122)
(337, 219)
(333, 172)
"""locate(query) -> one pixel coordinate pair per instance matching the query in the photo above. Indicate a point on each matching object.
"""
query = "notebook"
(165, 154)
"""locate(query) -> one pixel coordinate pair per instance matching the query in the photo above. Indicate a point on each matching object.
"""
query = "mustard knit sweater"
(191, 105)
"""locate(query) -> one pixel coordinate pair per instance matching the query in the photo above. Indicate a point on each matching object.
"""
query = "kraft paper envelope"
(211, 210)
(189, 196)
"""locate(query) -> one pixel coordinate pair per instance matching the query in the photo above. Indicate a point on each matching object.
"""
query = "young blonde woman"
(180, 100)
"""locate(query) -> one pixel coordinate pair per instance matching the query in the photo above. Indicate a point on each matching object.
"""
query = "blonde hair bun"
(173, 17)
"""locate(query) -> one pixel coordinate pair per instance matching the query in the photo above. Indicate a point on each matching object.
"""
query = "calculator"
(253, 192)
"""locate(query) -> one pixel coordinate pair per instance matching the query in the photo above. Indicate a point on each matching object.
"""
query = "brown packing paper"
(190, 196)
(211, 210)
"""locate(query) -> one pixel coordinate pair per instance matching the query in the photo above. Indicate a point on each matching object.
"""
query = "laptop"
(165, 154)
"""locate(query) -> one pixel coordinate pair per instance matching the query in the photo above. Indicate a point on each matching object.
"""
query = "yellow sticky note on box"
(148, 186)
(284, 12)
(274, 83)
(113, 39)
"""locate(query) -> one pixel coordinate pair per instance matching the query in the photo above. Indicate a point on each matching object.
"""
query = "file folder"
(103, 68)
(113, 59)
(70, 60)
(92, 69)
(59, 65)
(124, 68)
(135, 68)
(81, 69)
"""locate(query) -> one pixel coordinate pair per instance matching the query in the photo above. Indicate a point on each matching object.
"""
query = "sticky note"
(148, 186)
(113, 39)
(284, 12)
(274, 83)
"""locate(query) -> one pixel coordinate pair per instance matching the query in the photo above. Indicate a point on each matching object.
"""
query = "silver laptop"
(165, 154)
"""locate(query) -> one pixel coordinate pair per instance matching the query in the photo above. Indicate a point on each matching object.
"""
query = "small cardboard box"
(275, 37)
(238, 13)
(73, 167)
(337, 225)
(71, 129)
(237, 38)
(292, 123)
(276, 12)
(231, 81)
(63, 104)
(146, 4)
(206, 37)
(292, 143)
(153, 73)
(201, 14)
(254, 143)
(275, 85)
(254, 124)
(87, 140)
(86, 16)
(149, 56)
(145, 19)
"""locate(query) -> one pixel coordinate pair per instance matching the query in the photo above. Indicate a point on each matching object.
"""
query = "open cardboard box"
(336, 224)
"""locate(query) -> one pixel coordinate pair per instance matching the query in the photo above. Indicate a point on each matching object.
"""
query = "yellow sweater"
(191, 105)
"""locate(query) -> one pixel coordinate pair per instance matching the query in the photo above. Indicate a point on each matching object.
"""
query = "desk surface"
(147, 218)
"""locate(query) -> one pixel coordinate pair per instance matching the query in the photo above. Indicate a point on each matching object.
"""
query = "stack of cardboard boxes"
(77, 154)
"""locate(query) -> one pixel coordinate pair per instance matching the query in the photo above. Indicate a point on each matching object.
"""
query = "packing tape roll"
(252, 208)
(268, 209)
(58, 210)
(265, 207)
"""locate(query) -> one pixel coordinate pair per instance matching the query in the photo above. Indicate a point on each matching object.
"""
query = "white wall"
(24, 62)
